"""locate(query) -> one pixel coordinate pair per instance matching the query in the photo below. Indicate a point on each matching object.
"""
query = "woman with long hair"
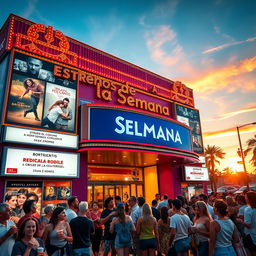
(36, 91)
(147, 229)
(123, 226)
(164, 230)
(27, 243)
(223, 232)
(57, 234)
(202, 227)
(55, 110)
(94, 215)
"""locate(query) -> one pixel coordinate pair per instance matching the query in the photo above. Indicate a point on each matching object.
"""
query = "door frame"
(114, 184)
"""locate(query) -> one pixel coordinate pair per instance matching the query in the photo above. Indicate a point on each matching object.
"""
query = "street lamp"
(242, 152)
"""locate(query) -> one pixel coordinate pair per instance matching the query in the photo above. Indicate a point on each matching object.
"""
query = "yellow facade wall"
(151, 183)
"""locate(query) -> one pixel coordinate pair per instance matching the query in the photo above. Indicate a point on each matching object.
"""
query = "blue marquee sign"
(128, 126)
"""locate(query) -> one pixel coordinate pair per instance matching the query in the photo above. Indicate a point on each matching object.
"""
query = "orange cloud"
(228, 132)
(224, 78)
(234, 113)
(218, 48)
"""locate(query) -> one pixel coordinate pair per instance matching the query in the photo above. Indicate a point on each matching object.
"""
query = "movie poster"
(56, 93)
(17, 192)
(56, 193)
(38, 99)
(20, 108)
(191, 118)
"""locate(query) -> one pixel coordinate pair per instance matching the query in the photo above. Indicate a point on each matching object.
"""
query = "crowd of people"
(206, 225)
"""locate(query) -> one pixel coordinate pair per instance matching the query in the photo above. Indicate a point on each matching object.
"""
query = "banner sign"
(37, 163)
(191, 118)
(44, 138)
(129, 126)
(45, 41)
(38, 99)
(194, 173)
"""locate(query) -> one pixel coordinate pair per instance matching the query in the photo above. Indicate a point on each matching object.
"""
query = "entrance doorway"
(97, 191)
(111, 181)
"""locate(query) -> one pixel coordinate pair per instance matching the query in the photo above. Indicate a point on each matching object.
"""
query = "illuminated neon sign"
(129, 126)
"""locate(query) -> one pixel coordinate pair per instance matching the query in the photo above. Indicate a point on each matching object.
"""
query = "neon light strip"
(132, 150)
(135, 143)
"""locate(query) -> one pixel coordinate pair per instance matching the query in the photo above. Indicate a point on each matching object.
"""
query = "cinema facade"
(126, 131)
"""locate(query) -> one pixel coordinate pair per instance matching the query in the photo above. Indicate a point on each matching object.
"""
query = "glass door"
(99, 192)
(98, 195)
(126, 193)
(109, 191)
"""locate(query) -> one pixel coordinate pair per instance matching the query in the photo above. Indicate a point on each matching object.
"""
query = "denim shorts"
(145, 244)
(182, 245)
(224, 251)
(82, 252)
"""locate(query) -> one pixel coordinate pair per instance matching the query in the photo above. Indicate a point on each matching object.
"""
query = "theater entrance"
(99, 192)
(106, 182)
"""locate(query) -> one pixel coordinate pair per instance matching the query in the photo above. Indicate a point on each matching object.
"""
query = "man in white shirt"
(8, 230)
(180, 226)
(138, 212)
(73, 204)
(133, 206)
(134, 215)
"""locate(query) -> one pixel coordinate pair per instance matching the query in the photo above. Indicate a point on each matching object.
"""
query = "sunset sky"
(208, 45)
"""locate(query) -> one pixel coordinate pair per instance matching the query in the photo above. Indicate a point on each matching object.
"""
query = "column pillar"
(79, 185)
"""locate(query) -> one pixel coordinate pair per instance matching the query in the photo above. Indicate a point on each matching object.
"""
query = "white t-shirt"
(70, 214)
(7, 245)
(181, 223)
(54, 114)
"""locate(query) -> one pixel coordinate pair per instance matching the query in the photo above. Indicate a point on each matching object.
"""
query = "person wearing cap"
(123, 226)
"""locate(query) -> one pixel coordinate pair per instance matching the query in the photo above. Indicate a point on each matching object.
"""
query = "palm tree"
(251, 146)
(212, 153)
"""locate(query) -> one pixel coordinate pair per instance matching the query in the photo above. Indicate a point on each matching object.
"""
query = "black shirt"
(155, 213)
(19, 248)
(107, 234)
(81, 228)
